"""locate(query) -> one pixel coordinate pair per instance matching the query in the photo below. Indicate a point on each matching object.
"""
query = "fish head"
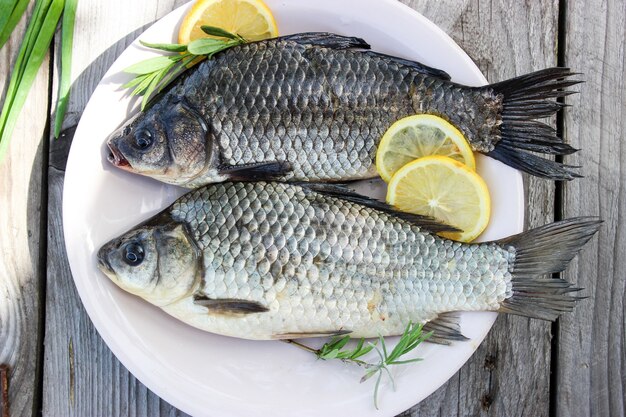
(159, 263)
(168, 142)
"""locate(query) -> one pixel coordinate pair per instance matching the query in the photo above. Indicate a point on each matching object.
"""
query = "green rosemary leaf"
(176, 70)
(215, 31)
(149, 65)
(143, 85)
(168, 47)
(158, 76)
(206, 46)
(163, 69)
(405, 361)
(138, 79)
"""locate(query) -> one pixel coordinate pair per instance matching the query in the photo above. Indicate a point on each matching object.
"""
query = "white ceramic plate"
(209, 375)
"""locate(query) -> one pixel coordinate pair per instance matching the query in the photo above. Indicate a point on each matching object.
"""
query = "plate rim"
(102, 329)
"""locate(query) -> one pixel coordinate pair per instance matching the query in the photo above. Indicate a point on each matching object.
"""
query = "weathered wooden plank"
(591, 378)
(81, 375)
(21, 226)
(509, 373)
(508, 370)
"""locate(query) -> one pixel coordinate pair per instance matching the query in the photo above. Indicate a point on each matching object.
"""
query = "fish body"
(319, 104)
(274, 260)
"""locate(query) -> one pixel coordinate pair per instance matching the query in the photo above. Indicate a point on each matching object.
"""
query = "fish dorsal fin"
(326, 39)
(445, 328)
(340, 191)
(416, 66)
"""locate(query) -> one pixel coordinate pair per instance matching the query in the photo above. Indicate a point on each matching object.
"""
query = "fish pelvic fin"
(547, 249)
(262, 171)
(229, 306)
(316, 333)
(445, 328)
(525, 99)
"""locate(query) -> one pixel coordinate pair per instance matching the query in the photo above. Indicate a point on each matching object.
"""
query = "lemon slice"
(445, 189)
(417, 136)
(251, 19)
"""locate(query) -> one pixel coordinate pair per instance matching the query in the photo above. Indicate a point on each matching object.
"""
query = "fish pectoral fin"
(229, 305)
(326, 39)
(262, 171)
(426, 223)
(446, 329)
(302, 335)
(414, 65)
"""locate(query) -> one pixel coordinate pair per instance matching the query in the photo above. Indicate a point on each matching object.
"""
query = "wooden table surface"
(59, 365)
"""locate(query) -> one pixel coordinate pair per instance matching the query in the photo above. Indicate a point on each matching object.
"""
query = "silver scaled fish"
(314, 106)
(270, 260)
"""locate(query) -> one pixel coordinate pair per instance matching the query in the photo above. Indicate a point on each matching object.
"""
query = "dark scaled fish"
(314, 106)
(269, 260)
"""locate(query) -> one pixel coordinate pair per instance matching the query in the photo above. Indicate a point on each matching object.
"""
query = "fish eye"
(133, 253)
(143, 139)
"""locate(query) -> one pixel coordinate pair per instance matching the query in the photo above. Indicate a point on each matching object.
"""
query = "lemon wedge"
(418, 136)
(251, 19)
(446, 189)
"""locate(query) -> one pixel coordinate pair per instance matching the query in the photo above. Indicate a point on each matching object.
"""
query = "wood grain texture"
(591, 378)
(20, 226)
(81, 375)
(509, 375)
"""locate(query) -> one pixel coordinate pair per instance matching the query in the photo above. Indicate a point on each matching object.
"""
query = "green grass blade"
(67, 41)
(39, 48)
(11, 19)
(6, 9)
(34, 26)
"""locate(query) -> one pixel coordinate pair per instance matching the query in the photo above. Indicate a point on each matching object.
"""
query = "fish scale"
(339, 258)
(323, 86)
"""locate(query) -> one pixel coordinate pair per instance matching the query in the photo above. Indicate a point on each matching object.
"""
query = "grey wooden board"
(591, 372)
(508, 375)
(512, 365)
(20, 240)
(81, 375)
(497, 378)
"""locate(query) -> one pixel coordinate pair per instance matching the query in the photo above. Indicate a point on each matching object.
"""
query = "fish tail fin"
(541, 251)
(525, 99)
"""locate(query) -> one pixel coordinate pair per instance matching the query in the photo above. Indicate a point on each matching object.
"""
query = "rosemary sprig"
(154, 74)
(334, 349)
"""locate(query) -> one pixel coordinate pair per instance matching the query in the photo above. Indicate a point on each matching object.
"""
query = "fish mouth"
(103, 263)
(116, 157)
